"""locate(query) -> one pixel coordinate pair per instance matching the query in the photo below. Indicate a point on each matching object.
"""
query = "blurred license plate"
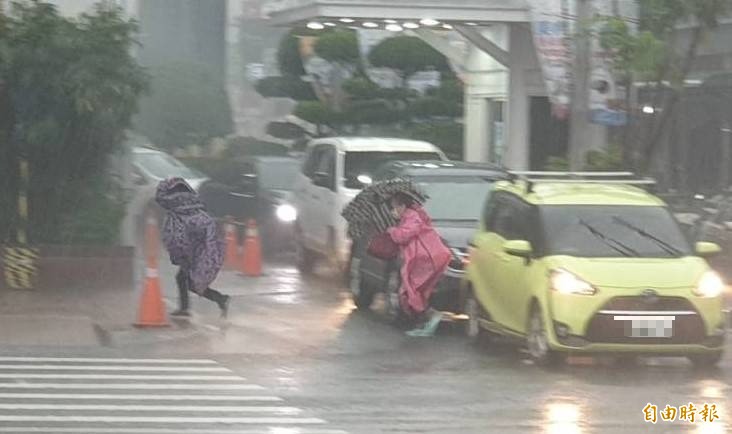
(648, 326)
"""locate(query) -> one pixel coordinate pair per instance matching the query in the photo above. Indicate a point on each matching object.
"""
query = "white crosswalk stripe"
(139, 396)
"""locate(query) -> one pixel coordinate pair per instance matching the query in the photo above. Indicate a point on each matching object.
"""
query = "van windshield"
(366, 163)
(602, 231)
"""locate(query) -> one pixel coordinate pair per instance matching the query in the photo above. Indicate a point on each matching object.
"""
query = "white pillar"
(485, 80)
(522, 60)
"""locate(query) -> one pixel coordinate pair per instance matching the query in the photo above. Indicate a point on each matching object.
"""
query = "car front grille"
(688, 327)
(646, 303)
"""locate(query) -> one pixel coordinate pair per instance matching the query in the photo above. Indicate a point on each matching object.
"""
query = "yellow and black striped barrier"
(20, 262)
(20, 266)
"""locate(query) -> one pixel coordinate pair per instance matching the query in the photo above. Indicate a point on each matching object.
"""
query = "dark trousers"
(184, 285)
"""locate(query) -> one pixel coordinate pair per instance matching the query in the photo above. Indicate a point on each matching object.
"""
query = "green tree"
(70, 88)
(339, 47)
(316, 113)
(285, 87)
(652, 54)
(288, 52)
(407, 55)
(361, 88)
(188, 105)
(446, 135)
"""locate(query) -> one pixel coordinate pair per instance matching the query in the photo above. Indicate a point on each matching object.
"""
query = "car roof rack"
(621, 178)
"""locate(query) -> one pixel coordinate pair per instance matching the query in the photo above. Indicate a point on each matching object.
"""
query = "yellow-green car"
(591, 266)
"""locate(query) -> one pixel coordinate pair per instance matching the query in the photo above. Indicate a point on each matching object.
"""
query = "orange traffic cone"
(252, 255)
(232, 253)
(152, 310)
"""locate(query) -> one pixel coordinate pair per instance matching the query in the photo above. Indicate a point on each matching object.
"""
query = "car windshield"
(612, 231)
(162, 165)
(278, 175)
(455, 198)
(366, 163)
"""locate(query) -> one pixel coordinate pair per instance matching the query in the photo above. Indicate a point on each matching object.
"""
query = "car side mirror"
(321, 179)
(705, 249)
(249, 180)
(519, 248)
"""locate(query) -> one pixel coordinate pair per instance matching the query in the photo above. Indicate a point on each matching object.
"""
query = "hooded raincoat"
(424, 258)
(190, 235)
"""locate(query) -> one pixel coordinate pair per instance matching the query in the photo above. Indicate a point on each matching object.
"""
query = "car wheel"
(305, 258)
(472, 329)
(538, 341)
(705, 360)
(362, 296)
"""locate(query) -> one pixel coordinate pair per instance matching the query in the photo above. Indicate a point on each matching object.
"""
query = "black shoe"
(181, 313)
(224, 306)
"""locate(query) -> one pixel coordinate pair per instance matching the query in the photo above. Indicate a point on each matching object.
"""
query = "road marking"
(184, 395)
(184, 408)
(168, 420)
(114, 368)
(124, 377)
(181, 430)
(141, 386)
(109, 360)
(132, 397)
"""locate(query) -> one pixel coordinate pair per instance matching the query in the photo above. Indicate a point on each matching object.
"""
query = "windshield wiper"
(616, 245)
(668, 248)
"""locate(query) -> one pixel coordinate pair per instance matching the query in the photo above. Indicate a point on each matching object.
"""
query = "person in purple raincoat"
(192, 240)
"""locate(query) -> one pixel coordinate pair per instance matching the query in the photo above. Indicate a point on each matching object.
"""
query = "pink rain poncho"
(424, 259)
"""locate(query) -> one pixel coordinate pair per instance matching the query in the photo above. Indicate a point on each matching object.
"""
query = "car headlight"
(286, 213)
(565, 282)
(710, 285)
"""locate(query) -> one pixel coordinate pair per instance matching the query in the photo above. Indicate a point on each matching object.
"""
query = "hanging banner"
(553, 24)
(552, 27)
(608, 102)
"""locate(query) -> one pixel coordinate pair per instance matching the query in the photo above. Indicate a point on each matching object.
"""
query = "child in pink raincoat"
(424, 259)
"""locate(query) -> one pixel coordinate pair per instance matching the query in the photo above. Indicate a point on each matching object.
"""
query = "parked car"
(259, 188)
(456, 194)
(335, 170)
(151, 166)
(579, 266)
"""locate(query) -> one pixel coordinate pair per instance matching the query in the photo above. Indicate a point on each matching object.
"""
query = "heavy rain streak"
(362, 216)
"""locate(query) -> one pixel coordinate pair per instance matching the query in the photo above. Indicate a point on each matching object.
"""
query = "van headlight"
(710, 285)
(565, 282)
(286, 213)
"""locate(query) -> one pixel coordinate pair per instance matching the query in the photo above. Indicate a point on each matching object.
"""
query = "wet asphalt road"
(300, 341)
(304, 340)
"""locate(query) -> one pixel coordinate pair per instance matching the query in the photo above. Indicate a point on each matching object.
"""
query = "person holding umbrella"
(424, 260)
(390, 214)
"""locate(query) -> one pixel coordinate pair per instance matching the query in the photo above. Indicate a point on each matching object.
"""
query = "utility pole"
(579, 131)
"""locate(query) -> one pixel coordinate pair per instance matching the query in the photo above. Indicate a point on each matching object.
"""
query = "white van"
(334, 170)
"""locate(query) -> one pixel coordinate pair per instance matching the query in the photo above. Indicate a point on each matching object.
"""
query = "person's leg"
(183, 282)
(432, 316)
(221, 299)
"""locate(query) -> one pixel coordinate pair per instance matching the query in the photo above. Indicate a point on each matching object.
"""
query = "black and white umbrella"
(369, 212)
